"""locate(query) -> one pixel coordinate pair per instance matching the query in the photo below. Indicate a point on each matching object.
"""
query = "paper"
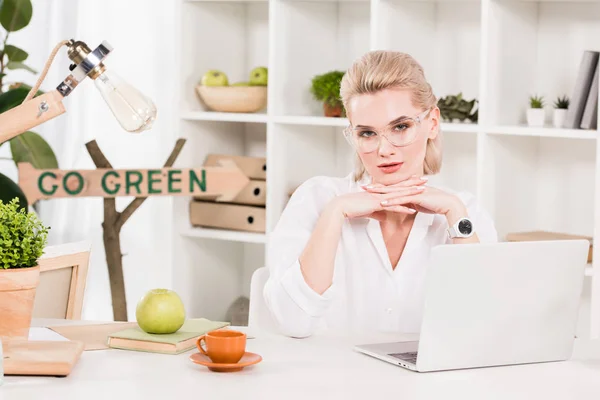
(37, 334)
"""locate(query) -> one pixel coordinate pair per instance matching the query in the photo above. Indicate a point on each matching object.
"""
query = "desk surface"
(320, 367)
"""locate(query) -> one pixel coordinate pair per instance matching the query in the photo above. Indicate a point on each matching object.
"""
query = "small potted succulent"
(536, 115)
(326, 89)
(561, 106)
(23, 238)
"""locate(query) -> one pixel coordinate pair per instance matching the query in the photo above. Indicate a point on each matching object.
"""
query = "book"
(581, 90)
(531, 236)
(590, 114)
(171, 343)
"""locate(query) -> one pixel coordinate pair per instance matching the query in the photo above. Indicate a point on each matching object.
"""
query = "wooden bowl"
(241, 99)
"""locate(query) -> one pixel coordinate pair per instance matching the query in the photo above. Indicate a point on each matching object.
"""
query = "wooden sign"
(223, 182)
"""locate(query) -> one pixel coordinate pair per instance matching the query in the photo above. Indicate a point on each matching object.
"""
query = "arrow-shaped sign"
(223, 182)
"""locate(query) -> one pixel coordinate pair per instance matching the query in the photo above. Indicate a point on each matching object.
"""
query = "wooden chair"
(63, 274)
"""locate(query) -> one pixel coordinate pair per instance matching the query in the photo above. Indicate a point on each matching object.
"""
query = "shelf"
(343, 122)
(310, 120)
(459, 128)
(223, 234)
(226, 1)
(223, 116)
(518, 130)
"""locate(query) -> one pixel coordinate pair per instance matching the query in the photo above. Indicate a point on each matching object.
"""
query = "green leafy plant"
(23, 237)
(326, 88)
(536, 101)
(28, 146)
(562, 103)
(455, 107)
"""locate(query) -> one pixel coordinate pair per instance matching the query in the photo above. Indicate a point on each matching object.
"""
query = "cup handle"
(199, 344)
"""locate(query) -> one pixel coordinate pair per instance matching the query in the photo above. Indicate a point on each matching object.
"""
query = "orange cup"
(223, 346)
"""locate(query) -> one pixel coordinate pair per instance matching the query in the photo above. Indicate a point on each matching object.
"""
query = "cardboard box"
(228, 216)
(252, 167)
(545, 235)
(255, 193)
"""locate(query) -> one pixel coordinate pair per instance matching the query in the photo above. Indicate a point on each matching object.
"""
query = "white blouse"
(366, 293)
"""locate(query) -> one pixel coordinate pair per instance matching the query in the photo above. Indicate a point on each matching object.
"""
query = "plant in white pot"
(536, 115)
(23, 238)
(561, 106)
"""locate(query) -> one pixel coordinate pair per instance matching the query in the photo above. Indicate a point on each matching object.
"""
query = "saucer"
(246, 360)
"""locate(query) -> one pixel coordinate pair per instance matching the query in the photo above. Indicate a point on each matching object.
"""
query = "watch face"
(465, 227)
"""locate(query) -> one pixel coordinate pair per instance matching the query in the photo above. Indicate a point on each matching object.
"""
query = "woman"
(351, 253)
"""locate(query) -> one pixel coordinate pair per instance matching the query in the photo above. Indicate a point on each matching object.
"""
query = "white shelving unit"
(498, 51)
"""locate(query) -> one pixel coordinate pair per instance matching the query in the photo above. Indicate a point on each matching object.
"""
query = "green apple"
(214, 77)
(160, 311)
(259, 76)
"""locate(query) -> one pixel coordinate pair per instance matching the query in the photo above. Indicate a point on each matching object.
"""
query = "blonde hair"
(384, 69)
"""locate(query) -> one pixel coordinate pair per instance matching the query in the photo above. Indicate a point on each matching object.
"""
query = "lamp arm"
(30, 114)
(33, 111)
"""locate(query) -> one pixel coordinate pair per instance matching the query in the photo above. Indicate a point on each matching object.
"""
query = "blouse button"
(388, 310)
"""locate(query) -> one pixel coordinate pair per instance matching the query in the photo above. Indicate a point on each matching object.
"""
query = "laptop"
(495, 304)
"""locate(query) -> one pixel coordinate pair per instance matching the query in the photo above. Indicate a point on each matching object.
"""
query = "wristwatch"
(463, 228)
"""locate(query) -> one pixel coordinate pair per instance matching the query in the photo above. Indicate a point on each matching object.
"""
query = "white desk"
(321, 367)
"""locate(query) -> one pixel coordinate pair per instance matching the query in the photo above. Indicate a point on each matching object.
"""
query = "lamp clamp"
(85, 63)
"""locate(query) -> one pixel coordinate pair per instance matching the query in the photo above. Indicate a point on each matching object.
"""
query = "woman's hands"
(369, 203)
(408, 197)
(428, 200)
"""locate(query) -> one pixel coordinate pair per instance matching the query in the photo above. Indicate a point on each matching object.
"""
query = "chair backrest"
(63, 274)
(259, 318)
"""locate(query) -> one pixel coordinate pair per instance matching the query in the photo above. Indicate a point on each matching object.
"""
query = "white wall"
(141, 33)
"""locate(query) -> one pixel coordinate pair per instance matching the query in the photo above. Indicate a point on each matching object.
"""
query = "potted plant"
(454, 108)
(560, 111)
(23, 238)
(536, 115)
(326, 89)
(29, 146)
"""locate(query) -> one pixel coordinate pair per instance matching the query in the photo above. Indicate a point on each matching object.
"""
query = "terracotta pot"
(17, 295)
(332, 111)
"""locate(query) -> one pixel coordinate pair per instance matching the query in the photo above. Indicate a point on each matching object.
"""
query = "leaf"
(32, 148)
(19, 65)
(14, 97)
(15, 54)
(15, 14)
(9, 190)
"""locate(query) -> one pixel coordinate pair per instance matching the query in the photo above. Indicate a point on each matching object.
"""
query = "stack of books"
(583, 108)
(184, 339)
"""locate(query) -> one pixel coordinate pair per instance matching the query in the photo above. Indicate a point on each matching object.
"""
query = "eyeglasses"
(400, 133)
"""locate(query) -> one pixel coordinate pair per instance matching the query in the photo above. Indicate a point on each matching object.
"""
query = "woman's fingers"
(389, 192)
(401, 209)
(398, 200)
(408, 184)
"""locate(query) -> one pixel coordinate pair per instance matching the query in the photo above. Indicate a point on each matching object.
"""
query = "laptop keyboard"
(409, 357)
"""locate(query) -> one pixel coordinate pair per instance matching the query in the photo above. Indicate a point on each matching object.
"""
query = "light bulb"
(134, 111)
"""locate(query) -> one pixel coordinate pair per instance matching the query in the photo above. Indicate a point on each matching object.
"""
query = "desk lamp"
(134, 111)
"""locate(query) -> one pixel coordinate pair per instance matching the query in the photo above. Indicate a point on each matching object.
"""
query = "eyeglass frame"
(418, 119)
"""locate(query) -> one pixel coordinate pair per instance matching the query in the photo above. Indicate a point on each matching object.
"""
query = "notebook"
(173, 343)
